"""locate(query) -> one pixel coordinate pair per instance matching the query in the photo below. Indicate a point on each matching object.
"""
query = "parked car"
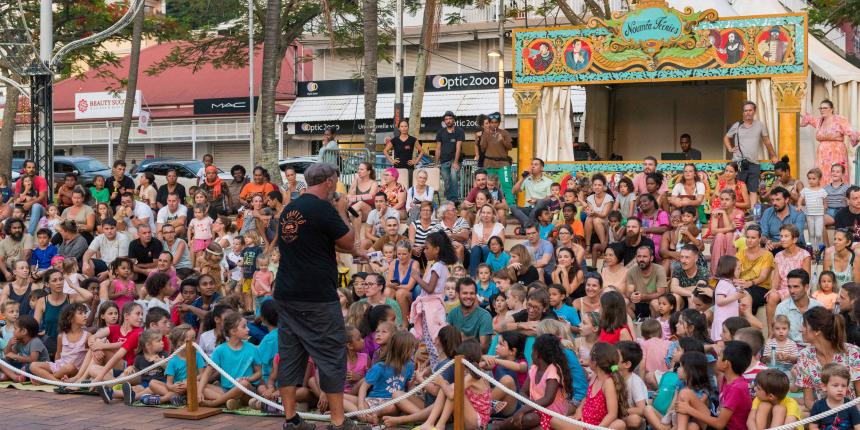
(86, 168)
(186, 171)
(146, 161)
(17, 165)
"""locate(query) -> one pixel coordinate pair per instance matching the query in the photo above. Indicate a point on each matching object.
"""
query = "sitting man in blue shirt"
(780, 213)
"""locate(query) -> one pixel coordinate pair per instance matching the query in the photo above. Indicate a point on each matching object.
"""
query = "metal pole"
(398, 63)
(110, 142)
(251, 78)
(280, 128)
(501, 20)
(46, 31)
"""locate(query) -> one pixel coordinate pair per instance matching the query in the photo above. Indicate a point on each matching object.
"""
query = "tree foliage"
(833, 13)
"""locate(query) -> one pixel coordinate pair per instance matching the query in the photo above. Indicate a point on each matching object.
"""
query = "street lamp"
(495, 53)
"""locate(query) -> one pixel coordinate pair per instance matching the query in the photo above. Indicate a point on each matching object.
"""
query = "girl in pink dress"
(120, 287)
(726, 296)
(548, 384)
(71, 345)
(831, 131)
(727, 222)
(606, 400)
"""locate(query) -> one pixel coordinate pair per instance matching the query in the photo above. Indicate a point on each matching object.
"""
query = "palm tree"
(370, 27)
(131, 88)
(271, 68)
(7, 132)
(429, 32)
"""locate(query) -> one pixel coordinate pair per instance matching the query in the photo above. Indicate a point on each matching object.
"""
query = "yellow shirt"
(792, 409)
(751, 269)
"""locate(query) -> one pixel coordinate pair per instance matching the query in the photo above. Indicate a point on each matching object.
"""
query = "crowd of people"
(623, 307)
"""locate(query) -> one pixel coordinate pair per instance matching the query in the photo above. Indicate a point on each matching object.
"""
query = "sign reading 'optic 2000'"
(654, 43)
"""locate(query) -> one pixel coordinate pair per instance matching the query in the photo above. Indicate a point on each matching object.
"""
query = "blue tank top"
(405, 279)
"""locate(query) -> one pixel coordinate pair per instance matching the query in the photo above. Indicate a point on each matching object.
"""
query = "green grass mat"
(26, 386)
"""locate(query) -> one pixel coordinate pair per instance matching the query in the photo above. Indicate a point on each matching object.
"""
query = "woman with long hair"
(597, 210)
(614, 272)
(590, 302)
(729, 181)
(362, 190)
(840, 258)
(485, 227)
(690, 190)
(568, 273)
(521, 265)
(824, 335)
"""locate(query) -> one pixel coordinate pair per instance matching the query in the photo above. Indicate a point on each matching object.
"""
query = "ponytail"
(621, 392)
(831, 327)
(605, 356)
(839, 333)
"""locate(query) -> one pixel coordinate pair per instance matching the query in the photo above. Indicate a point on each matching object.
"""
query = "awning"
(468, 103)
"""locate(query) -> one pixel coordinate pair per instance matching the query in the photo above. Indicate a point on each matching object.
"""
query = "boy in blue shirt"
(266, 351)
(486, 287)
(42, 253)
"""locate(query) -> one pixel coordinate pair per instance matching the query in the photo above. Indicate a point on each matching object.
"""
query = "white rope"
(814, 418)
(528, 401)
(92, 384)
(323, 417)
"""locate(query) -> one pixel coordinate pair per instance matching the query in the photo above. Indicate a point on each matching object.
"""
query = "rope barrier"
(92, 384)
(392, 401)
(528, 401)
(324, 417)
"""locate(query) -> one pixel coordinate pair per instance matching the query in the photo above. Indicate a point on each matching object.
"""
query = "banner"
(143, 122)
(656, 43)
(433, 83)
(104, 105)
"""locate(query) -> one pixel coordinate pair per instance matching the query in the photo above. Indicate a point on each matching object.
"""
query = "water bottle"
(773, 356)
(757, 212)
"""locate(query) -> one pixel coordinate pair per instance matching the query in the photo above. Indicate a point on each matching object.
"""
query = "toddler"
(262, 283)
(24, 349)
(71, 345)
(783, 351)
(827, 293)
(10, 310)
(249, 267)
(835, 378)
(726, 296)
(389, 377)
(654, 350)
(51, 219)
(199, 232)
(176, 374)
(814, 198)
(452, 300)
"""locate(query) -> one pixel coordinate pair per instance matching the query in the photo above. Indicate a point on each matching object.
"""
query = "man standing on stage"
(744, 140)
(312, 228)
(495, 143)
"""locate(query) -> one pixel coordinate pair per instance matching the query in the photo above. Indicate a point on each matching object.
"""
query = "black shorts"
(316, 330)
(642, 310)
(751, 176)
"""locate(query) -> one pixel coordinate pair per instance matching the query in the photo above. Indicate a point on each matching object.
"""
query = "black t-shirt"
(448, 141)
(403, 151)
(630, 251)
(161, 194)
(140, 363)
(144, 254)
(523, 315)
(307, 232)
(847, 220)
(126, 183)
(529, 276)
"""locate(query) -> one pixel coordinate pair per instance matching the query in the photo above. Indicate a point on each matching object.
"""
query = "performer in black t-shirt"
(312, 228)
(406, 149)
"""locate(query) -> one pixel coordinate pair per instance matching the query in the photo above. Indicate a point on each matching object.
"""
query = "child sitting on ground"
(477, 392)
(735, 401)
(835, 378)
(637, 392)
(24, 349)
(239, 359)
(10, 310)
(152, 389)
(388, 378)
(71, 345)
(176, 374)
(654, 350)
(267, 350)
(772, 407)
(452, 300)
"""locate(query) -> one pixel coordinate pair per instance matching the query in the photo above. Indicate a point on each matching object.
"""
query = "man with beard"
(495, 144)
(33, 205)
(17, 245)
(480, 183)
(688, 276)
(649, 165)
(848, 218)
(633, 239)
(542, 251)
(537, 189)
(471, 319)
(645, 282)
(797, 303)
(312, 229)
(686, 144)
(448, 155)
(780, 213)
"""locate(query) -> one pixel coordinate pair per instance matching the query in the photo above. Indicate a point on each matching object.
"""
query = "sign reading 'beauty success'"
(105, 104)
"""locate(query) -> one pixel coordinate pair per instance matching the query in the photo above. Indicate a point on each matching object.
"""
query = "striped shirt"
(814, 200)
(788, 348)
(836, 198)
(421, 232)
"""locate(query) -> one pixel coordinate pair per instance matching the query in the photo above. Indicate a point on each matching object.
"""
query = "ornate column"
(789, 93)
(528, 101)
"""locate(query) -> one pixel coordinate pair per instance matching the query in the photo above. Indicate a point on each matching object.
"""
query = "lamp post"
(495, 53)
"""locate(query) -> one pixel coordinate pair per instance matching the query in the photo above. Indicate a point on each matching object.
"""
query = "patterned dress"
(807, 371)
(831, 143)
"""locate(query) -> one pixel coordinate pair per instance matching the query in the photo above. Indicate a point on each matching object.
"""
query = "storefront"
(339, 104)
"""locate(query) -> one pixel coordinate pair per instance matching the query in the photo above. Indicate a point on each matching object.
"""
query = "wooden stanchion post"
(459, 394)
(193, 411)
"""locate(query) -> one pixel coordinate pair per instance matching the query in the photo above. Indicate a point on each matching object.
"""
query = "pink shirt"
(262, 283)
(537, 389)
(736, 397)
(722, 313)
(202, 228)
(359, 366)
(654, 353)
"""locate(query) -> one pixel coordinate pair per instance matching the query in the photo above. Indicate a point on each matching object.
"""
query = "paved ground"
(38, 410)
